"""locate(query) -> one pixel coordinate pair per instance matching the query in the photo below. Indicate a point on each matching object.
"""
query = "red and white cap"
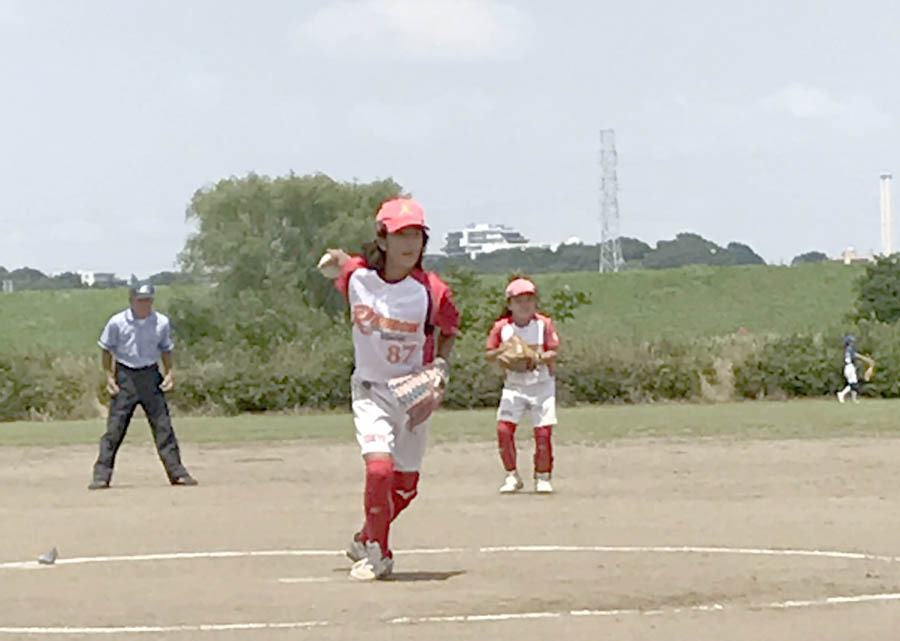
(399, 213)
(520, 286)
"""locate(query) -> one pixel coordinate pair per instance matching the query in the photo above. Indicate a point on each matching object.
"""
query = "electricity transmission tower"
(610, 247)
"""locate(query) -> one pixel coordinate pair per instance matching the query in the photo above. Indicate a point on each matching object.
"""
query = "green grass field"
(635, 305)
(706, 301)
(62, 321)
(805, 419)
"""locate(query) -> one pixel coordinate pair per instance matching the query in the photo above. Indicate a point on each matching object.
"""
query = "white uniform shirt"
(388, 324)
(539, 333)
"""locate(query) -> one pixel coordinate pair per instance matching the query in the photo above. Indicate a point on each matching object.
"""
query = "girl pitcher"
(404, 320)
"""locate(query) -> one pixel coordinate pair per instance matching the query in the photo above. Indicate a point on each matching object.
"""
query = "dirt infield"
(651, 540)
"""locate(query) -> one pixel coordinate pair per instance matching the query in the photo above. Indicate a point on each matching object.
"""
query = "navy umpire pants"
(139, 387)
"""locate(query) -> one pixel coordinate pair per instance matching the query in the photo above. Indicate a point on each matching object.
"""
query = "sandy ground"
(630, 498)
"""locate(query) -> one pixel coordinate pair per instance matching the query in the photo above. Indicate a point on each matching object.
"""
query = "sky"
(766, 123)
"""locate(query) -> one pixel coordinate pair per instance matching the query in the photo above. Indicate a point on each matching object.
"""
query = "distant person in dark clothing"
(133, 342)
(851, 360)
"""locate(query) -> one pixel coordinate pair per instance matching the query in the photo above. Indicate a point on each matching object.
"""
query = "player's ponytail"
(374, 255)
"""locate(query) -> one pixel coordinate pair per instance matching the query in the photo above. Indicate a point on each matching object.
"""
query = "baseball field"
(675, 522)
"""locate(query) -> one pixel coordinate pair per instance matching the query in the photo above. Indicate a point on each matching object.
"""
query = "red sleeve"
(551, 338)
(493, 339)
(444, 314)
(343, 280)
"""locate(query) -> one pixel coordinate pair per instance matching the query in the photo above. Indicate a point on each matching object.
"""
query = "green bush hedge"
(44, 387)
(314, 374)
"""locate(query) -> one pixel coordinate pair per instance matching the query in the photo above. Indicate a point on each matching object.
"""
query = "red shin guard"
(543, 449)
(404, 490)
(506, 439)
(379, 478)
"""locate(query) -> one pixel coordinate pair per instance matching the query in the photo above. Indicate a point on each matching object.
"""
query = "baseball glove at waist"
(422, 392)
(514, 351)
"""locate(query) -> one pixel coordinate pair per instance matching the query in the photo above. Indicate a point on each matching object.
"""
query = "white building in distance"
(850, 257)
(483, 239)
(96, 278)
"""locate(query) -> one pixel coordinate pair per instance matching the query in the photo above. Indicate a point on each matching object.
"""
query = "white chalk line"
(169, 556)
(460, 618)
(463, 618)
(305, 579)
(230, 554)
(707, 607)
(203, 627)
(691, 549)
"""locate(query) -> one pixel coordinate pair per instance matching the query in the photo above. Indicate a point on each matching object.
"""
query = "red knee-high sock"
(506, 438)
(403, 491)
(379, 478)
(543, 449)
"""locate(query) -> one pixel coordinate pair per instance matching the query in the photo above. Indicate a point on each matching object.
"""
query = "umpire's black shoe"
(98, 485)
(185, 479)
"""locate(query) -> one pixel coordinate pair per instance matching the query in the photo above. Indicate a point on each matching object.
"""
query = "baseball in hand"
(328, 266)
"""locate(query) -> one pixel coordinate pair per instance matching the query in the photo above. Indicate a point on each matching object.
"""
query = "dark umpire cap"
(142, 290)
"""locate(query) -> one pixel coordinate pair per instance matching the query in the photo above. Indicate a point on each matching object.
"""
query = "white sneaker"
(373, 566)
(542, 483)
(840, 397)
(356, 551)
(513, 483)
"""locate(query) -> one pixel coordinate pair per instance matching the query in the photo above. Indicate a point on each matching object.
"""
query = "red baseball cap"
(399, 213)
(520, 286)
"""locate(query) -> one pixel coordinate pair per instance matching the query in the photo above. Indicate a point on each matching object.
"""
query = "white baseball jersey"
(539, 333)
(388, 324)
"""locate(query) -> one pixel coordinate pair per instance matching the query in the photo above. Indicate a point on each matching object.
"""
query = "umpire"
(133, 342)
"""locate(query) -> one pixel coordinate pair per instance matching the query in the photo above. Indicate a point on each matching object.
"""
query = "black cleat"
(98, 485)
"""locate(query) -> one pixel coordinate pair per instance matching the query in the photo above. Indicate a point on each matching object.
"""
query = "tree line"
(685, 249)
(28, 278)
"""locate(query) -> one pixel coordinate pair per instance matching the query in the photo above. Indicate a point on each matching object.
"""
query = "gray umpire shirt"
(137, 342)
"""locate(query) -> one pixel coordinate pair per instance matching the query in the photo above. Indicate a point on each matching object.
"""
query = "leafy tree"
(481, 304)
(738, 254)
(67, 280)
(633, 249)
(693, 249)
(29, 278)
(264, 234)
(809, 257)
(879, 290)
(165, 278)
(685, 249)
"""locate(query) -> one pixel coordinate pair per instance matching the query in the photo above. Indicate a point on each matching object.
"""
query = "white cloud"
(806, 102)
(803, 101)
(418, 29)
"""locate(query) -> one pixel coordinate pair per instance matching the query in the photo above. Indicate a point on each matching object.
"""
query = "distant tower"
(887, 227)
(610, 248)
